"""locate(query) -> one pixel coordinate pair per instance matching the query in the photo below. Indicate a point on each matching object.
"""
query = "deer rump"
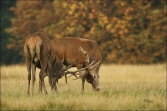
(67, 50)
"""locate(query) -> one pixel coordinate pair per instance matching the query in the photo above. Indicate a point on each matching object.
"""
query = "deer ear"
(96, 65)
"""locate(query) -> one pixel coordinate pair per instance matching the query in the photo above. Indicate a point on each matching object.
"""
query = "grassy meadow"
(123, 87)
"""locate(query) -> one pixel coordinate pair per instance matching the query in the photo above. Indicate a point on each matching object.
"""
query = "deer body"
(67, 51)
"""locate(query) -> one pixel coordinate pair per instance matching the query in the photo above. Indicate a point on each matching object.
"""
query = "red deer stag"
(67, 51)
(39, 53)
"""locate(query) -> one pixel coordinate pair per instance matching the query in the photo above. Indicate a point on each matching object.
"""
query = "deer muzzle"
(96, 84)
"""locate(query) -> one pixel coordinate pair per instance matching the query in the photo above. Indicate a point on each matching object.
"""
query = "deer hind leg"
(33, 76)
(29, 75)
(43, 82)
(40, 83)
(42, 75)
(43, 63)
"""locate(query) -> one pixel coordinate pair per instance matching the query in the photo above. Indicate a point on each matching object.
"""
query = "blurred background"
(128, 32)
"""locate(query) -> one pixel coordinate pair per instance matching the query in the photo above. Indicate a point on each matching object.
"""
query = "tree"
(8, 56)
(127, 31)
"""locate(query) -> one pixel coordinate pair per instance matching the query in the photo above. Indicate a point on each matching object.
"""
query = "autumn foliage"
(127, 31)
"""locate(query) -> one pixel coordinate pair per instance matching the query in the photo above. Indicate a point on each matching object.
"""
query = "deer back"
(67, 50)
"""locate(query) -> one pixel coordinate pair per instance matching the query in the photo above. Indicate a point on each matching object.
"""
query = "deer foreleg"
(82, 75)
(83, 82)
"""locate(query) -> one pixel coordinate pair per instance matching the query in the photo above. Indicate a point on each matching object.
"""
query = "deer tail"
(32, 48)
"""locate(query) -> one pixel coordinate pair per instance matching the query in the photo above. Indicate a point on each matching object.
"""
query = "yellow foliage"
(140, 22)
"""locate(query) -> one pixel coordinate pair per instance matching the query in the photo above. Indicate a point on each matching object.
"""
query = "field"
(123, 87)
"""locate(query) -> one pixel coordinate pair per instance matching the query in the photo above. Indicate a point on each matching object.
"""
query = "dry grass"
(123, 87)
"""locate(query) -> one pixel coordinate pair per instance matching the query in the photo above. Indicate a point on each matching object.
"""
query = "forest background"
(127, 31)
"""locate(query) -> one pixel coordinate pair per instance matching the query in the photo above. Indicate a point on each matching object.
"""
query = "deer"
(39, 53)
(88, 56)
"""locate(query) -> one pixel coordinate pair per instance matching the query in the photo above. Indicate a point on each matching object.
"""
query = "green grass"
(123, 87)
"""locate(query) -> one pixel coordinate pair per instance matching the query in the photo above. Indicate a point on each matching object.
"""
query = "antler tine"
(70, 72)
(73, 72)
(81, 49)
(72, 75)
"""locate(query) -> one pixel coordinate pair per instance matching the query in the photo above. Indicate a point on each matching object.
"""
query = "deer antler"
(81, 49)
(74, 72)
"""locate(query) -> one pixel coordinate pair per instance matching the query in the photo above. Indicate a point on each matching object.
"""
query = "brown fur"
(67, 50)
(39, 53)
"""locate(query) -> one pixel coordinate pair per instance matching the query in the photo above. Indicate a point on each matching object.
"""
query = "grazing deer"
(38, 52)
(67, 51)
